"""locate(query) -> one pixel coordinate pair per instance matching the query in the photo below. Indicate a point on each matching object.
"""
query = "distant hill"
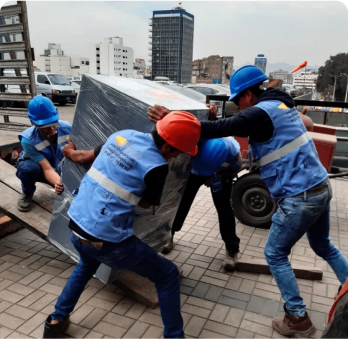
(278, 65)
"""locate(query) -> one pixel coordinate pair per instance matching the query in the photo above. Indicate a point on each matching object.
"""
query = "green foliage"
(334, 66)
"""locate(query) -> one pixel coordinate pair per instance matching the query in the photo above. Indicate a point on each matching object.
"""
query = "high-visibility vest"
(289, 162)
(104, 204)
(43, 146)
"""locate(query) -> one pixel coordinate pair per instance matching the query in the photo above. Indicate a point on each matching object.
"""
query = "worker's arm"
(158, 112)
(79, 156)
(253, 121)
(51, 175)
(154, 181)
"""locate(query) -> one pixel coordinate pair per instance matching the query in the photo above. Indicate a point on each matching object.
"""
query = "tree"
(334, 66)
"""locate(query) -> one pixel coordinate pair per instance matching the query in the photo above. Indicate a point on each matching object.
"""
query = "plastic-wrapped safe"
(106, 105)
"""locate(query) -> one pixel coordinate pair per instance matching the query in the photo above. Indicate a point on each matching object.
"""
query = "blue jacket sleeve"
(31, 151)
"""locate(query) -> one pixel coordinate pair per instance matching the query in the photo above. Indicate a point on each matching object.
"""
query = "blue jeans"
(293, 218)
(29, 173)
(134, 255)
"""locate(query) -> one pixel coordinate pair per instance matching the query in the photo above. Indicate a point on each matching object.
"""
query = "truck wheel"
(252, 202)
(62, 103)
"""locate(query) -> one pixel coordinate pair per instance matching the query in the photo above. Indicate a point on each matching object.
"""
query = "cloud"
(284, 31)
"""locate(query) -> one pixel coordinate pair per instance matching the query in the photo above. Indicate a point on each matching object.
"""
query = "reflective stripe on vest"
(113, 187)
(40, 146)
(286, 149)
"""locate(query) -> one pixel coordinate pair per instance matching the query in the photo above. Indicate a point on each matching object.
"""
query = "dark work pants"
(223, 206)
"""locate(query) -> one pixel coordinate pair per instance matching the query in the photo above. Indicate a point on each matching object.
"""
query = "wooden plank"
(23, 80)
(10, 10)
(19, 63)
(15, 96)
(11, 29)
(44, 195)
(12, 46)
(13, 127)
(37, 220)
(261, 266)
(14, 112)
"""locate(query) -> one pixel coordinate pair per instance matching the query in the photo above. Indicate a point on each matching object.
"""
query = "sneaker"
(290, 325)
(230, 261)
(56, 330)
(24, 202)
(168, 246)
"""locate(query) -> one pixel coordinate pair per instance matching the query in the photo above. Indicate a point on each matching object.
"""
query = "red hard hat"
(181, 130)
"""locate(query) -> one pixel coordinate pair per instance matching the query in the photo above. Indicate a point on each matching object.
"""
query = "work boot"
(168, 246)
(290, 325)
(230, 261)
(24, 202)
(56, 330)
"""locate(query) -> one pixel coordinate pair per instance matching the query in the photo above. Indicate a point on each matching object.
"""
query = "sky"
(285, 31)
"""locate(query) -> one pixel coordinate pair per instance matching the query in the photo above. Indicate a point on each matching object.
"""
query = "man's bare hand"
(157, 113)
(212, 112)
(58, 188)
(68, 148)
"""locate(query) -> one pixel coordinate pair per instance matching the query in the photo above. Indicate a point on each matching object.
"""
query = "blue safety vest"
(229, 162)
(104, 204)
(42, 145)
(289, 161)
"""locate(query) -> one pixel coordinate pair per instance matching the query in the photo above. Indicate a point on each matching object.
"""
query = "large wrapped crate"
(106, 105)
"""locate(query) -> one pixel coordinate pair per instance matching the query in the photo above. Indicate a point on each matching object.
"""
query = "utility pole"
(335, 77)
(346, 75)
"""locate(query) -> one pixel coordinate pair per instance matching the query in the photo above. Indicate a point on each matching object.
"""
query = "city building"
(307, 79)
(285, 76)
(139, 68)
(213, 69)
(111, 58)
(171, 44)
(53, 60)
(261, 62)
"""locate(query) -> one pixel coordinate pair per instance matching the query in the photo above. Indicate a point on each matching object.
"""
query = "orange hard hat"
(181, 130)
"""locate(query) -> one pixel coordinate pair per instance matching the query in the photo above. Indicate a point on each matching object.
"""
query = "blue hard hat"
(244, 78)
(41, 111)
(211, 155)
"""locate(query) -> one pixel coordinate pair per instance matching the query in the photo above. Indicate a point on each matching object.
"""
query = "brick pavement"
(215, 304)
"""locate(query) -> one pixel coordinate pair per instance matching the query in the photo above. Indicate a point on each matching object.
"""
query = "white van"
(55, 86)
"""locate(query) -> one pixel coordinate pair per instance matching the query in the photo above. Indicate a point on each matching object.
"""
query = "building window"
(98, 67)
(98, 62)
(98, 55)
(82, 62)
(97, 49)
(87, 63)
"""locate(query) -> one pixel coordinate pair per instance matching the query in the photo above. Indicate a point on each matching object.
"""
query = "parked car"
(55, 86)
(290, 89)
(75, 84)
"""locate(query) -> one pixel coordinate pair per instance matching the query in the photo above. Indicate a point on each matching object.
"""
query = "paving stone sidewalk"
(215, 304)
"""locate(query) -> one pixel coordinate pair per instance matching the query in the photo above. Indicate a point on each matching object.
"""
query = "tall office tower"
(171, 44)
(261, 62)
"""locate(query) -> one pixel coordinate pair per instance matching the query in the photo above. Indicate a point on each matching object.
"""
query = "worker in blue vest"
(294, 175)
(41, 156)
(215, 165)
(130, 170)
